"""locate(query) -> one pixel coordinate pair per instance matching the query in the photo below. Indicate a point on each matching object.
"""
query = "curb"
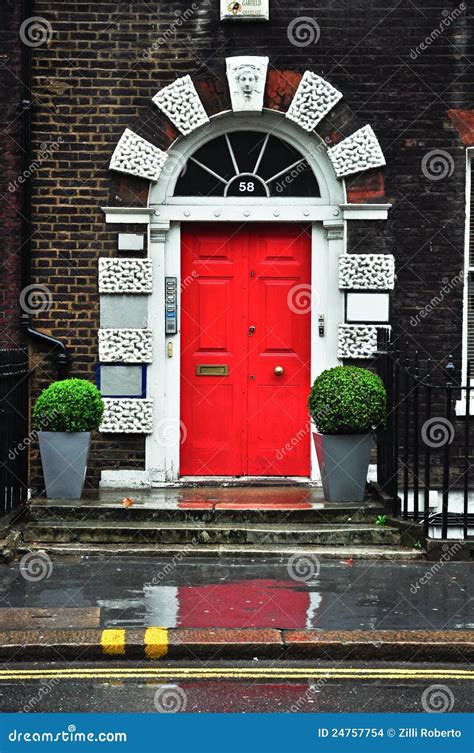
(156, 643)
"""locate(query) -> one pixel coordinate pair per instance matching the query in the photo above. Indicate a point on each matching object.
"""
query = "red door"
(245, 359)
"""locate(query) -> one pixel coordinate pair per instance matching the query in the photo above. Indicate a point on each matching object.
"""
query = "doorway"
(245, 349)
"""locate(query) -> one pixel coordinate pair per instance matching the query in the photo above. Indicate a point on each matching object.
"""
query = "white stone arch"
(159, 418)
(312, 147)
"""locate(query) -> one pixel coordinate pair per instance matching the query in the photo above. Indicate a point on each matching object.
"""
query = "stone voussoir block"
(125, 276)
(125, 345)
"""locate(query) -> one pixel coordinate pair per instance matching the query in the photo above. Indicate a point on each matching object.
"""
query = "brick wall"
(106, 60)
(10, 156)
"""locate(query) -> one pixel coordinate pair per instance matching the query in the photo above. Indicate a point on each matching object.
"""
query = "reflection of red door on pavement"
(245, 316)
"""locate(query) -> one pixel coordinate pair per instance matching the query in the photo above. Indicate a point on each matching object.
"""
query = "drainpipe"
(62, 357)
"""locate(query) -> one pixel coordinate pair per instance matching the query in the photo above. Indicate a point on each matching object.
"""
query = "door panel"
(281, 262)
(211, 333)
(247, 308)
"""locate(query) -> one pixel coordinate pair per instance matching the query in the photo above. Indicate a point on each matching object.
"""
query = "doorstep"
(155, 643)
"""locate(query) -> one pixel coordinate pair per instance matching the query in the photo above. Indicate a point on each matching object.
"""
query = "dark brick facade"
(106, 60)
(10, 156)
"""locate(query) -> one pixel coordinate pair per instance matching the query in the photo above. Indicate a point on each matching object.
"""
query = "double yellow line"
(244, 673)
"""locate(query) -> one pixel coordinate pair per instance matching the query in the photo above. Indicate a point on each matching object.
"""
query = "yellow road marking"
(156, 642)
(113, 642)
(242, 670)
(190, 673)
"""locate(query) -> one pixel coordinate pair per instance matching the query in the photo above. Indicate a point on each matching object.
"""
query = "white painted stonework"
(313, 99)
(125, 346)
(127, 415)
(247, 75)
(366, 272)
(181, 104)
(125, 276)
(134, 155)
(360, 151)
(357, 341)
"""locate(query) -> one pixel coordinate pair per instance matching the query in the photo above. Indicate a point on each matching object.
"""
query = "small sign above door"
(244, 10)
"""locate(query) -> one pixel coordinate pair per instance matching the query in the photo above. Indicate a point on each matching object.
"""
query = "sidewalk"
(296, 608)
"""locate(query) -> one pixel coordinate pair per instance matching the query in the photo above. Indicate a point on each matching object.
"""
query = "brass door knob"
(278, 370)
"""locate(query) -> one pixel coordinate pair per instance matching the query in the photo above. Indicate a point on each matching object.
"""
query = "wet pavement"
(182, 592)
(320, 692)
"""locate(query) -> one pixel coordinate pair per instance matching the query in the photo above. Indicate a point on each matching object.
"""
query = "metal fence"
(14, 373)
(426, 444)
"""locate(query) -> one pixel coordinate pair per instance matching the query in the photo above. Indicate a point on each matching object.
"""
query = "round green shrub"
(347, 400)
(69, 405)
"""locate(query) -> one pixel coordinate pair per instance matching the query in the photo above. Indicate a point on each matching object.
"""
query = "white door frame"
(167, 212)
(163, 445)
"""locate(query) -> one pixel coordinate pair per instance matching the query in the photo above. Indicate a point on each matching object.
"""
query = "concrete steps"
(228, 551)
(192, 533)
(210, 521)
(205, 511)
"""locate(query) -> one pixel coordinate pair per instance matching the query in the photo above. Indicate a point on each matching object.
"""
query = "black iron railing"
(14, 438)
(426, 444)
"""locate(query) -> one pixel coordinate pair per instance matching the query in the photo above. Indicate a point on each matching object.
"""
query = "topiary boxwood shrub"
(69, 405)
(347, 400)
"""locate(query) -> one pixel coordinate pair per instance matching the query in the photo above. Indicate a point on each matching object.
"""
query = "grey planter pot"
(64, 458)
(344, 462)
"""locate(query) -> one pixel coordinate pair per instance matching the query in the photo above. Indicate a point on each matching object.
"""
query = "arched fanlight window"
(250, 164)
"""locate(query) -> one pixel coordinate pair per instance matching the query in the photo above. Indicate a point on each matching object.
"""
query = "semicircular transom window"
(247, 164)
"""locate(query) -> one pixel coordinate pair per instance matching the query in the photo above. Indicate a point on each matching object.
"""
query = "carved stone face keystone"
(247, 76)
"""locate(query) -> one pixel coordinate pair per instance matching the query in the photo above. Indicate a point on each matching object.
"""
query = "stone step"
(229, 551)
(192, 533)
(205, 511)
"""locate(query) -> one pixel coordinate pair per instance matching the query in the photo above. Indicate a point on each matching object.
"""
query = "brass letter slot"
(212, 369)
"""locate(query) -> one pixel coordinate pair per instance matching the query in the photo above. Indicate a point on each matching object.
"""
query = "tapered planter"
(64, 458)
(344, 463)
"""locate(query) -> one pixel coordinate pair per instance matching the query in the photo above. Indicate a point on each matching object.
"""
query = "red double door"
(245, 358)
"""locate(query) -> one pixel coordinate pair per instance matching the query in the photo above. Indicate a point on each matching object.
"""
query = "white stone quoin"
(134, 155)
(366, 272)
(313, 99)
(127, 415)
(181, 104)
(360, 151)
(357, 340)
(247, 76)
(125, 276)
(125, 345)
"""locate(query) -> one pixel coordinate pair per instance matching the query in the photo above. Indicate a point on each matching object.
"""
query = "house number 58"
(246, 187)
